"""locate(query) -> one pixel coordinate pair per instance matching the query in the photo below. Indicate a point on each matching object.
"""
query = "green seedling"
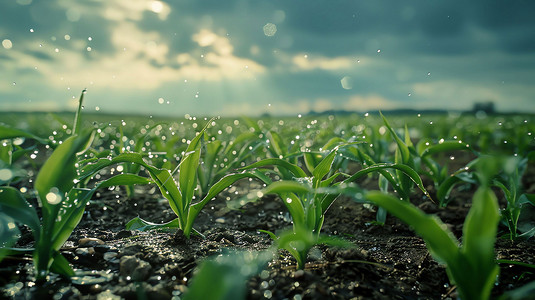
(221, 157)
(62, 203)
(181, 193)
(404, 177)
(405, 154)
(471, 266)
(510, 182)
(306, 205)
(443, 181)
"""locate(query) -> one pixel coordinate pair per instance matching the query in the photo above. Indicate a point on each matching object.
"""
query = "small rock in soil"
(135, 268)
(90, 242)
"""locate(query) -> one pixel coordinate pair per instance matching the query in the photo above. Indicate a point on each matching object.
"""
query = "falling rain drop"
(7, 44)
(270, 29)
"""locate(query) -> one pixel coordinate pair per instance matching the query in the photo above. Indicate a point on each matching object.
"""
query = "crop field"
(354, 206)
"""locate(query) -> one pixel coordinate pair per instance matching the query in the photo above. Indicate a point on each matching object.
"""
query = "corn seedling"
(220, 158)
(179, 194)
(443, 181)
(306, 205)
(471, 266)
(62, 203)
(509, 181)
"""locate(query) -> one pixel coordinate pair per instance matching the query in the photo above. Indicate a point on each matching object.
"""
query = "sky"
(237, 57)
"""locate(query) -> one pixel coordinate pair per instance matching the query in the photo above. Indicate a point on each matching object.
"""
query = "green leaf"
(405, 153)
(13, 204)
(124, 179)
(332, 143)
(6, 153)
(479, 236)
(59, 170)
(444, 147)
(225, 276)
(187, 179)
(9, 234)
(69, 215)
(323, 168)
(413, 175)
(78, 115)
(311, 159)
(60, 265)
(277, 144)
(11, 133)
(294, 169)
(445, 188)
(215, 189)
(169, 190)
(139, 224)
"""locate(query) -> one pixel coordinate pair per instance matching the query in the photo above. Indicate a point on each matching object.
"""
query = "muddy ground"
(387, 262)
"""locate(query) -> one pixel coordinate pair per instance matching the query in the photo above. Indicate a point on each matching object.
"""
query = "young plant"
(471, 266)
(305, 203)
(443, 181)
(404, 177)
(221, 157)
(510, 182)
(181, 193)
(62, 203)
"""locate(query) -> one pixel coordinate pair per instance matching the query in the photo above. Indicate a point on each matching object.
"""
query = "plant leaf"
(13, 204)
(323, 168)
(444, 147)
(405, 154)
(139, 224)
(11, 133)
(413, 175)
(59, 169)
(294, 169)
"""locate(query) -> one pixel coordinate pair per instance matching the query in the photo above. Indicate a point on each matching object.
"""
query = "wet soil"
(387, 262)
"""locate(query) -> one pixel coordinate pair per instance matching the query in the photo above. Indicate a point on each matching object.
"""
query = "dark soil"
(387, 262)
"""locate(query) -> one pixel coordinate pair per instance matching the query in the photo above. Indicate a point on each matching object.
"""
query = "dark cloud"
(472, 43)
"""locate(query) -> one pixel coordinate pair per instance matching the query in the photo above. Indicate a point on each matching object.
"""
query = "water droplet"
(7, 44)
(269, 29)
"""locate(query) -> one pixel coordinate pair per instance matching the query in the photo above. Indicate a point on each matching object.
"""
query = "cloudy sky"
(233, 57)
